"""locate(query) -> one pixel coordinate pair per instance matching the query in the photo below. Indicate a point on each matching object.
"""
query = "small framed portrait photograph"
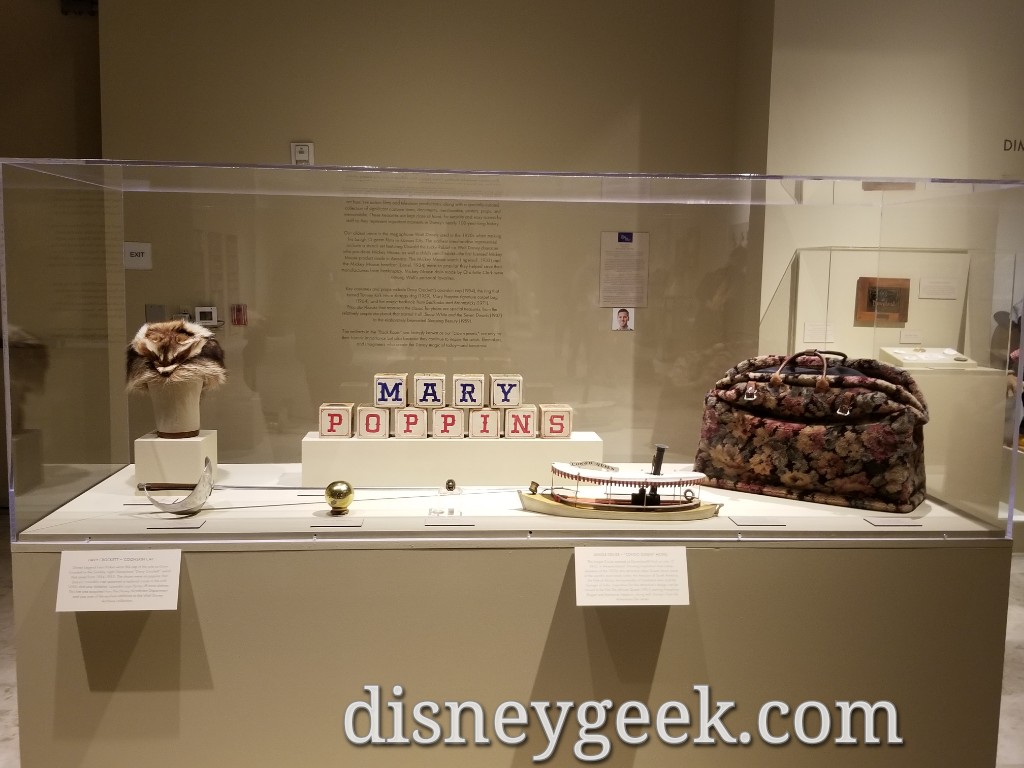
(623, 319)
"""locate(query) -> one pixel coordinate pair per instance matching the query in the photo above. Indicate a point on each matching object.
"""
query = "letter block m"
(389, 390)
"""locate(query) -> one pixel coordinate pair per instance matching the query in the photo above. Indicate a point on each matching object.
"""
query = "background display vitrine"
(339, 274)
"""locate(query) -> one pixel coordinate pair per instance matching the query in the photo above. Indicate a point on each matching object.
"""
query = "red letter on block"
(411, 420)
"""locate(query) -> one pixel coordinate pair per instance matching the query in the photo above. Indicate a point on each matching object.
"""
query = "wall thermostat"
(206, 316)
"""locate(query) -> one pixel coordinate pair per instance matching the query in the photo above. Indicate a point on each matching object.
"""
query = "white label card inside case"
(119, 580)
(631, 576)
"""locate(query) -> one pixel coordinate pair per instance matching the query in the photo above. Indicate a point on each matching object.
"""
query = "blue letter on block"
(468, 393)
(429, 392)
(395, 393)
(506, 389)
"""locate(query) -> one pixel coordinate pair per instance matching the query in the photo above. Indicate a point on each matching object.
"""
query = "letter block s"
(336, 419)
(555, 420)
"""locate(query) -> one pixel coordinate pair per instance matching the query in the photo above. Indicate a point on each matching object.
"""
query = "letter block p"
(448, 422)
(336, 419)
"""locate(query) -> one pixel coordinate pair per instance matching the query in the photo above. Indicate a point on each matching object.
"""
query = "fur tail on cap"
(174, 351)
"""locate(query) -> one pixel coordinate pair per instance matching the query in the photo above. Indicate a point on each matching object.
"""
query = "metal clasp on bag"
(844, 406)
(751, 392)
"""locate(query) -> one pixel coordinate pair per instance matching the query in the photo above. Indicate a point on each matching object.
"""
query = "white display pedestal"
(430, 462)
(159, 460)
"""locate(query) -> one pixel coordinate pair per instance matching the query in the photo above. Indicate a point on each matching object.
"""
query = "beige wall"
(659, 86)
(49, 81)
(920, 88)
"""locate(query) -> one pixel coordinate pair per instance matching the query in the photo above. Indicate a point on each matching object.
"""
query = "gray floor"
(1011, 723)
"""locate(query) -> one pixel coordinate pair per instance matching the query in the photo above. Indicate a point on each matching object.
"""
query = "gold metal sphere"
(339, 495)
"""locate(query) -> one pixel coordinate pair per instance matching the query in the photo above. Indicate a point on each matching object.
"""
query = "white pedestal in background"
(431, 462)
(159, 460)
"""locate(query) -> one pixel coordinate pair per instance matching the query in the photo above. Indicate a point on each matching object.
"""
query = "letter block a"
(485, 422)
(336, 419)
(521, 422)
(389, 390)
(555, 420)
(448, 423)
(372, 423)
(468, 391)
(410, 423)
(506, 391)
(428, 390)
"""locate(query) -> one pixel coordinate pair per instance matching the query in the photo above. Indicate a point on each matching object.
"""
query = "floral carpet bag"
(818, 427)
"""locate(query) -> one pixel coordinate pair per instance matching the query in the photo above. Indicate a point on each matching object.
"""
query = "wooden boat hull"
(545, 504)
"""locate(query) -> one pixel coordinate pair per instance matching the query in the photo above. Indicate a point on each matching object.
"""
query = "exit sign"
(138, 255)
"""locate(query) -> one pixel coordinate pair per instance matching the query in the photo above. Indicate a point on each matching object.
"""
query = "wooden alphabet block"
(555, 420)
(336, 419)
(506, 390)
(485, 422)
(372, 422)
(468, 390)
(410, 422)
(428, 390)
(389, 390)
(448, 422)
(521, 421)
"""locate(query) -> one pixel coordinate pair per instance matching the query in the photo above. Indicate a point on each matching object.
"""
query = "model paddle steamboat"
(605, 491)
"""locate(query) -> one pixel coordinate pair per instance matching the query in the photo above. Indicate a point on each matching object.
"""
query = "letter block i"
(389, 390)
(410, 422)
(428, 390)
(506, 391)
(372, 422)
(448, 422)
(336, 419)
(521, 421)
(555, 420)
(468, 390)
(485, 422)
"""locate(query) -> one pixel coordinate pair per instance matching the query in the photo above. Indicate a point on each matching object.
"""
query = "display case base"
(433, 462)
(160, 460)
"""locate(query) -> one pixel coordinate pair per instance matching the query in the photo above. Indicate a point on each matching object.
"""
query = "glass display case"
(316, 281)
(362, 530)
